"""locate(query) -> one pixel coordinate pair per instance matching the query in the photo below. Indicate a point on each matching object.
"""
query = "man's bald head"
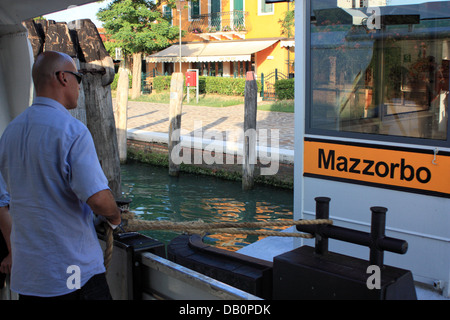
(53, 77)
(47, 64)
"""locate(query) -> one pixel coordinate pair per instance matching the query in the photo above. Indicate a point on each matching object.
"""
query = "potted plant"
(196, 30)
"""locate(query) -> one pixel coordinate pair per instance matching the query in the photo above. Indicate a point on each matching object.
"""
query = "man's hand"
(103, 204)
(5, 266)
(5, 228)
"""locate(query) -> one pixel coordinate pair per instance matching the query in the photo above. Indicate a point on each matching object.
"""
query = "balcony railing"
(231, 21)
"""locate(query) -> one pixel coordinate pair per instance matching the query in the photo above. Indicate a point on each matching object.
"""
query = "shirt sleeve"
(86, 177)
(4, 195)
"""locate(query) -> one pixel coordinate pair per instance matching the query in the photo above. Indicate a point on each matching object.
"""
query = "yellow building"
(227, 38)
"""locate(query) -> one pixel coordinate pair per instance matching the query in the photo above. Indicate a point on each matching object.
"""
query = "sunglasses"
(77, 75)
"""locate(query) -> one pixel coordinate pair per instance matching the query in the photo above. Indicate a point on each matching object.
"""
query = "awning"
(287, 43)
(211, 52)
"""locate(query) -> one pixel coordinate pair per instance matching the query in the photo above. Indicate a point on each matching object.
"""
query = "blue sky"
(87, 11)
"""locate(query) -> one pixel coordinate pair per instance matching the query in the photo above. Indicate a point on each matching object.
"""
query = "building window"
(220, 69)
(167, 13)
(194, 9)
(167, 68)
(204, 68)
(388, 81)
(265, 8)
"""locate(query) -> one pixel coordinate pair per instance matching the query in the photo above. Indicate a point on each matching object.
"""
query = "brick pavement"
(214, 123)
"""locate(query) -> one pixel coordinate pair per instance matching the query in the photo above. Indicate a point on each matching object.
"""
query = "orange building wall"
(274, 57)
(261, 26)
(264, 25)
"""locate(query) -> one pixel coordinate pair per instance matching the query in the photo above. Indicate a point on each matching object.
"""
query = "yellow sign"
(406, 169)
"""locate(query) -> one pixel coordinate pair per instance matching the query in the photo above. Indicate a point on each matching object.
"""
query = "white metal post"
(179, 8)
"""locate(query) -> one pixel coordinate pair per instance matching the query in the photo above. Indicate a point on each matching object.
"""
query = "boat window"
(382, 71)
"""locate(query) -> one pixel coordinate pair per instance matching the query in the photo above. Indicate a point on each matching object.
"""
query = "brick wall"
(231, 166)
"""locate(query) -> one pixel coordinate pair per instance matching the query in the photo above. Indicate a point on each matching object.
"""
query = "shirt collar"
(49, 102)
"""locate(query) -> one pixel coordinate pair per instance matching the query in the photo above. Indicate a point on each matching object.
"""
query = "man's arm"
(103, 204)
(5, 228)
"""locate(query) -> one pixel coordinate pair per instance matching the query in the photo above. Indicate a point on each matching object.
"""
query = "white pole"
(179, 7)
(180, 40)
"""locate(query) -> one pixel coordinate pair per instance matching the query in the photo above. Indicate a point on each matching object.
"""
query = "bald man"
(55, 183)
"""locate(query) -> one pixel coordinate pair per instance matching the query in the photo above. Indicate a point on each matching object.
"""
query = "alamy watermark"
(74, 279)
(216, 146)
(374, 280)
(374, 18)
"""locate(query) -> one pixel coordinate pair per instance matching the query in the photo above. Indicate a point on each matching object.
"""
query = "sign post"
(192, 81)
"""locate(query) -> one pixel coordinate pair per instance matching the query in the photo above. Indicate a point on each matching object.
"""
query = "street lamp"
(180, 4)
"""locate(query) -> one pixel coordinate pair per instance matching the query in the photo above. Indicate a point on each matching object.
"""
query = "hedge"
(218, 85)
(116, 80)
(161, 83)
(284, 89)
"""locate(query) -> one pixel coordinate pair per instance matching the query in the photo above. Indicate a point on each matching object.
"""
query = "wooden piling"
(136, 78)
(176, 101)
(249, 161)
(121, 113)
(80, 111)
(98, 69)
(48, 35)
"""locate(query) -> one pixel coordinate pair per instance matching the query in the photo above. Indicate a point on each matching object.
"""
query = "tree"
(288, 22)
(137, 27)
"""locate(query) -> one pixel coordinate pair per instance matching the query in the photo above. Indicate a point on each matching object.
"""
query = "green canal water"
(157, 196)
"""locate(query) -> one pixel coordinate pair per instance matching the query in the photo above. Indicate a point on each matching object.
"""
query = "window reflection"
(381, 72)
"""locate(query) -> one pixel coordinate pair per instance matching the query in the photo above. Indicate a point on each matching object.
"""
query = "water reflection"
(157, 196)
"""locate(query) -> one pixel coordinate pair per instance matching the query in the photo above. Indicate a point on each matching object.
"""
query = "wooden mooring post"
(176, 101)
(98, 69)
(249, 161)
(121, 113)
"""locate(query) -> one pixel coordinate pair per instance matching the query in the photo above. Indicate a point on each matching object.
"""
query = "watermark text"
(220, 148)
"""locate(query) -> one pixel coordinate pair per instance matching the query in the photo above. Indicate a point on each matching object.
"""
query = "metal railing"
(219, 22)
(268, 84)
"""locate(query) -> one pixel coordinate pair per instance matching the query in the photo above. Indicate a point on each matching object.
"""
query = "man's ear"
(61, 78)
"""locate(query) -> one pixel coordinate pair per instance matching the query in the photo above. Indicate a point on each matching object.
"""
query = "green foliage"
(288, 23)
(137, 26)
(226, 86)
(116, 80)
(110, 47)
(215, 85)
(279, 106)
(152, 158)
(205, 100)
(284, 89)
(161, 83)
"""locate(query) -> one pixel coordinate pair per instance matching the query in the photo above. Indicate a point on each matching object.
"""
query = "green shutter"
(238, 14)
(195, 9)
(215, 15)
(168, 13)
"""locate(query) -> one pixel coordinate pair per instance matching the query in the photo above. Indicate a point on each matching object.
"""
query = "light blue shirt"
(50, 167)
(4, 196)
